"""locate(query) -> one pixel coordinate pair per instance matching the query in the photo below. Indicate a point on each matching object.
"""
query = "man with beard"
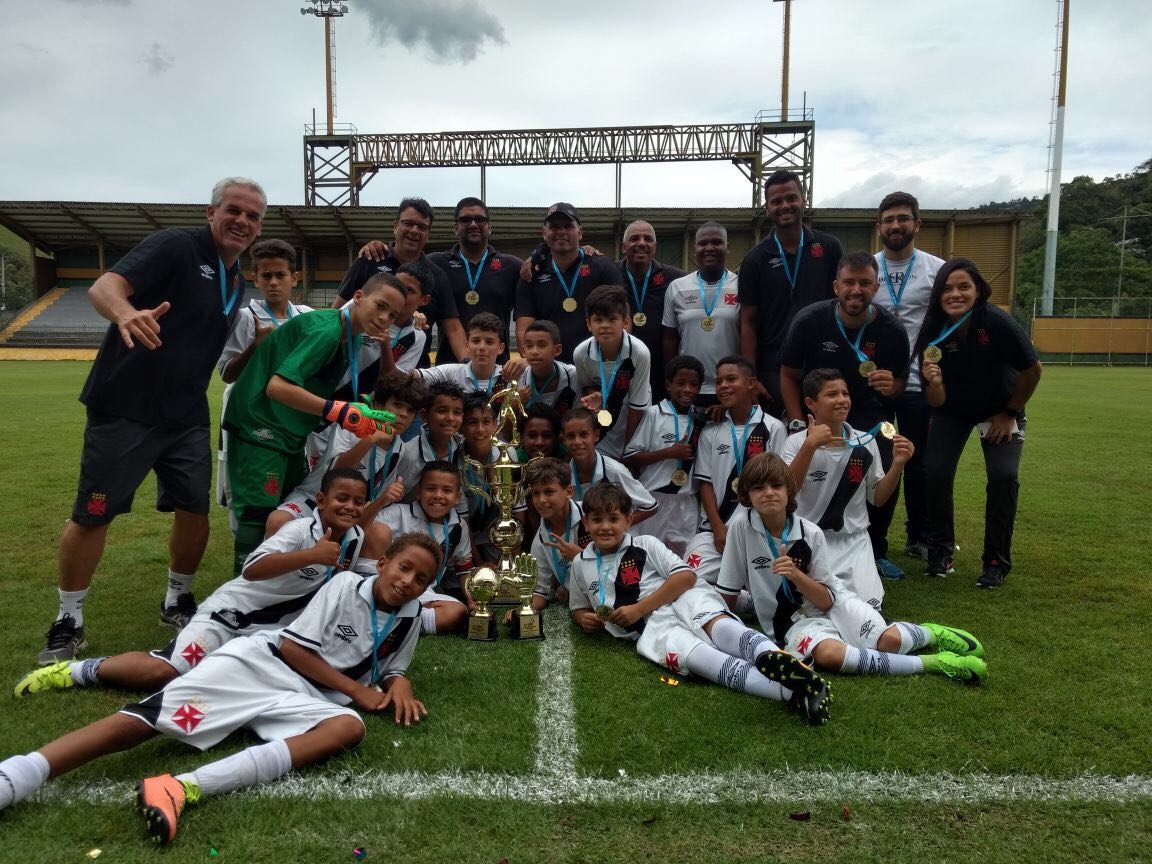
(906, 277)
(791, 268)
(482, 279)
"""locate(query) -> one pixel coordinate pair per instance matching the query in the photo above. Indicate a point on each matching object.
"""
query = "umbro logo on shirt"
(668, 438)
(762, 562)
(830, 346)
(722, 448)
(345, 633)
(817, 476)
(309, 573)
(207, 272)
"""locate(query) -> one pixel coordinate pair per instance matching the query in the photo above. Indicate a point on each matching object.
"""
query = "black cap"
(564, 209)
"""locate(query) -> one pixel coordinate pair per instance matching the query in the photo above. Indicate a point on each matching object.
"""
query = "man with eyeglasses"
(410, 236)
(482, 279)
(557, 290)
(906, 277)
(793, 267)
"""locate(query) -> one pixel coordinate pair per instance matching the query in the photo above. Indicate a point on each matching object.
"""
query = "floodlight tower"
(784, 62)
(328, 10)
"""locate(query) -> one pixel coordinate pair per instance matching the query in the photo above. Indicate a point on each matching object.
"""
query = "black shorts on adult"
(119, 453)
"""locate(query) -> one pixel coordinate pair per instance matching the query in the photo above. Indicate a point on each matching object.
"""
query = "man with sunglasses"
(410, 236)
(482, 279)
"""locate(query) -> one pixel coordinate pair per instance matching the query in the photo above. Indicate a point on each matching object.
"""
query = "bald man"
(645, 281)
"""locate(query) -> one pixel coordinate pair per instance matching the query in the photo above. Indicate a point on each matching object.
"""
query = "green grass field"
(573, 749)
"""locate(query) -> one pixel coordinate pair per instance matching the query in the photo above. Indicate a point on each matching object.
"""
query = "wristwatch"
(796, 426)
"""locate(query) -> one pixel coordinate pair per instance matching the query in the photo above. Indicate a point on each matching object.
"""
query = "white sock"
(427, 620)
(735, 674)
(913, 637)
(85, 673)
(72, 603)
(736, 640)
(744, 603)
(20, 776)
(178, 583)
(865, 661)
(258, 764)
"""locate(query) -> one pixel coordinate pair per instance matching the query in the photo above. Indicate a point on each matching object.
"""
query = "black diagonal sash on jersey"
(854, 473)
(389, 646)
(788, 596)
(756, 444)
(627, 582)
(686, 464)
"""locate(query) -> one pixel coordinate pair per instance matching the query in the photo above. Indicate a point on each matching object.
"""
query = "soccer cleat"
(993, 576)
(179, 613)
(813, 706)
(787, 671)
(939, 566)
(916, 549)
(161, 801)
(65, 642)
(888, 570)
(969, 669)
(55, 677)
(954, 640)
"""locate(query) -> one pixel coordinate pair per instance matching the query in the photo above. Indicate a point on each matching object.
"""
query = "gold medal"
(679, 477)
(887, 430)
(933, 354)
(736, 485)
(603, 612)
(639, 319)
(472, 298)
(867, 368)
(707, 323)
(569, 304)
(604, 417)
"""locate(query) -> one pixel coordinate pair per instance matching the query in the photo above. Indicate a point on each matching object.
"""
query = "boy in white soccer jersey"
(439, 438)
(661, 453)
(580, 432)
(724, 448)
(783, 560)
(446, 603)
(480, 371)
(561, 535)
(839, 472)
(376, 456)
(295, 687)
(276, 277)
(279, 578)
(613, 369)
(634, 588)
(547, 380)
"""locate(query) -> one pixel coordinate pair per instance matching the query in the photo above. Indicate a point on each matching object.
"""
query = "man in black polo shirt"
(789, 269)
(482, 279)
(645, 281)
(172, 302)
(869, 347)
(410, 236)
(557, 289)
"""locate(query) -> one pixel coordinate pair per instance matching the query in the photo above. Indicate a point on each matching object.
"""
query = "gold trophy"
(504, 487)
(482, 585)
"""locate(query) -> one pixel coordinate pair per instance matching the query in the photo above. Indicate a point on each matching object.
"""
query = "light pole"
(787, 47)
(328, 9)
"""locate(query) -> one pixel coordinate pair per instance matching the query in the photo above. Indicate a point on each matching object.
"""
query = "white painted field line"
(556, 750)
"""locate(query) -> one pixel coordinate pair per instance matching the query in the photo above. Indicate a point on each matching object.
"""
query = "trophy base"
(526, 624)
(481, 628)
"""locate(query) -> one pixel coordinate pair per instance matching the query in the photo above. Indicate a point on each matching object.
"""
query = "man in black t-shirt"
(172, 302)
(791, 268)
(869, 347)
(409, 237)
(556, 291)
(481, 279)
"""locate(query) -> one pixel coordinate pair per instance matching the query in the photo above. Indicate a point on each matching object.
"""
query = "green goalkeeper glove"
(358, 418)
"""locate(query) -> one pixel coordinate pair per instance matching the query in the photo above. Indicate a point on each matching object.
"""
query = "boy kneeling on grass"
(783, 561)
(293, 687)
(635, 588)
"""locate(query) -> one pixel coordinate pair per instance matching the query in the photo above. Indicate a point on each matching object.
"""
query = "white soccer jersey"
(380, 465)
(608, 470)
(747, 563)
(407, 346)
(628, 382)
(913, 288)
(661, 427)
(558, 390)
(716, 456)
(550, 564)
(464, 377)
(451, 535)
(244, 333)
(417, 453)
(684, 310)
(840, 483)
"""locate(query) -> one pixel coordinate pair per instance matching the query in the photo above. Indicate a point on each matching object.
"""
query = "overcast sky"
(154, 100)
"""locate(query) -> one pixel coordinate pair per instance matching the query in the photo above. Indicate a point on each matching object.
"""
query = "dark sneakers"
(939, 566)
(179, 613)
(65, 642)
(810, 693)
(993, 576)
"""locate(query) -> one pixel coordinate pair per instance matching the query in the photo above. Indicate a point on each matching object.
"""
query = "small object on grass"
(845, 814)
(95, 853)
(359, 853)
(800, 815)
(670, 681)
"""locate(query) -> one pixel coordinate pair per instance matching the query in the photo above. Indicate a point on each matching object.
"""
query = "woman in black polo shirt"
(979, 369)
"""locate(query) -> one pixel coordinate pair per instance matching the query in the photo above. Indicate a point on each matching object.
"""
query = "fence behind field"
(1113, 331)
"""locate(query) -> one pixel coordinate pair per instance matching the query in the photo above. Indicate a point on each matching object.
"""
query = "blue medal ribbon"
(444, 543)
(353, 357)
(893, 294)
(738, 449)
(372, 487)
(708, 307)
(227, 302)
(640, 295)
(600, 568)
(473, 281)
(947, 331)
(343, 549)
(788, 272)
(855, 346)
(777, 551)
(378, 637)
(538, 392)
(569, 290)
(275, 322)
(605, 389)
(576, 475)
(862, 438)
(676, 427)
(476, 381)
(559, 564)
